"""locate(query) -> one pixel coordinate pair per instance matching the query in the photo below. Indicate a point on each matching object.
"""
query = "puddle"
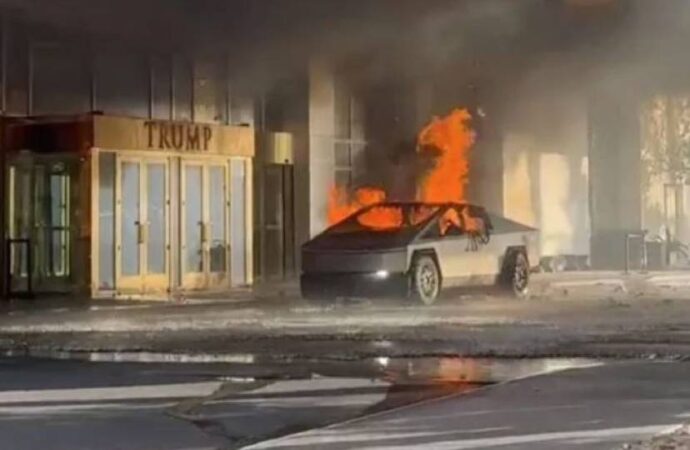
(257, 386)
(450, 370)
(396, 371)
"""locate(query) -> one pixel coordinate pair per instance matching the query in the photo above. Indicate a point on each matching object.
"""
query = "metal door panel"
(143, 221)
(217, 224)
(192, 226)
(205, 224)
(238, 226)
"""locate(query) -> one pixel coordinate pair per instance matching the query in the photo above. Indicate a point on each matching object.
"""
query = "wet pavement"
(603, 407)
(579, 315)
(104, 405)
(220, 375)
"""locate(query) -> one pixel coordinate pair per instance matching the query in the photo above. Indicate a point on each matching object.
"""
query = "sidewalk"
(598, 283)
(679, 439)
(594, 408)
(556, 286)
(266, 294)
(569, 314)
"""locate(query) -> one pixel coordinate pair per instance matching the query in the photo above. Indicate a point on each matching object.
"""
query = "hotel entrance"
(128, 208)
(142, 231)
(171, 220)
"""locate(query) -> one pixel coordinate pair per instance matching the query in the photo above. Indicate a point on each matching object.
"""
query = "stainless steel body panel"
(343, 261)
(464, 262)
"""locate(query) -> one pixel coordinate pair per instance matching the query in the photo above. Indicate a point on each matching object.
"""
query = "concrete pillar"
(545, 168)
(614, 178)
(321, 158)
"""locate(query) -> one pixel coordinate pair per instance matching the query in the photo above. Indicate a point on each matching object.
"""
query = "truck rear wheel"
(515, 276)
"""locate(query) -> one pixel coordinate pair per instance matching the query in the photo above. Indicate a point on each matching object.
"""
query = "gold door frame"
(205, 279)
(219, 279)
(248, 218)
(191, 280)
(175, 263)
(143, 282)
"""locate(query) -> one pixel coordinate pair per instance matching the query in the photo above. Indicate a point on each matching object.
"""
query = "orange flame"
(449, 139)
(452, 138)
(340, 206)
(381, 218)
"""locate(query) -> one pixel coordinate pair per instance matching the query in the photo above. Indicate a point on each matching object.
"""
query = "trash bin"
(656, 255)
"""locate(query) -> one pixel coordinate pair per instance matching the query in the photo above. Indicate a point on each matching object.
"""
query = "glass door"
(40, 223)
(192, 226)
(217, 224)
(142, 257)
(276, 249)
(205, 210)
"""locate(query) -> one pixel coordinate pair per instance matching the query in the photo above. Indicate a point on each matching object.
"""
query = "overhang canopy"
(82, 133)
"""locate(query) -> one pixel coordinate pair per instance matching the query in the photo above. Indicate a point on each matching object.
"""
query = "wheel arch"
(418, 253)
(510, 253)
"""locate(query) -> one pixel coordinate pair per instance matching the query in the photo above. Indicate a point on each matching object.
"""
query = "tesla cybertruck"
(417, 249)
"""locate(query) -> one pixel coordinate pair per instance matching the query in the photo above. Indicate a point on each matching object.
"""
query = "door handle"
(142, 232)
(205, 227)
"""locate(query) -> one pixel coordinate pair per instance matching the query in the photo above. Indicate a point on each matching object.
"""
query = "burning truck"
(415, 250)
(378, 247)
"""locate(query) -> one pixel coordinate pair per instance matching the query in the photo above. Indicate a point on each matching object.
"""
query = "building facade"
(136, 169)
(123, 207)
(126, 172)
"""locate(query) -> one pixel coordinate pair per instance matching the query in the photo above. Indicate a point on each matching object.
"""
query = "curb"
(132, 357)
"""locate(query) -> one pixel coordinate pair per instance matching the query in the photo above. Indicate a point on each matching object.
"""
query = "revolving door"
(41, 216)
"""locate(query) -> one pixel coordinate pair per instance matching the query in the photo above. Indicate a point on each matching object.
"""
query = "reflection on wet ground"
(403, 370)
(396, 370)
(238, 401)
(425, 376)
(416, 379)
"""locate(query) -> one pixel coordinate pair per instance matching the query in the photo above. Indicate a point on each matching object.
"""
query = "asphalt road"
(63, 405)
(601, 407)
(74, 405)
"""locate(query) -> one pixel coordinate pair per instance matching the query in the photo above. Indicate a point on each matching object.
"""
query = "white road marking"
(140, 392)
(72, 408)
(336, 436)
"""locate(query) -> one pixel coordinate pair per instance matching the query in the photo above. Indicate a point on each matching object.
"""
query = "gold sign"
(178, 136)
(124, 133)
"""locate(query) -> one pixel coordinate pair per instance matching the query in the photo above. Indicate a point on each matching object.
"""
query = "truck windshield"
(386, 217)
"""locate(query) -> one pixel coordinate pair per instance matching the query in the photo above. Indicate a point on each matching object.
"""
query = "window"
(122, 83)
(343, 164)
(60, 80)
(209, 91)
(182, 82)
(349, 134)
(161, 73)
(106, 221)
(17, 74)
